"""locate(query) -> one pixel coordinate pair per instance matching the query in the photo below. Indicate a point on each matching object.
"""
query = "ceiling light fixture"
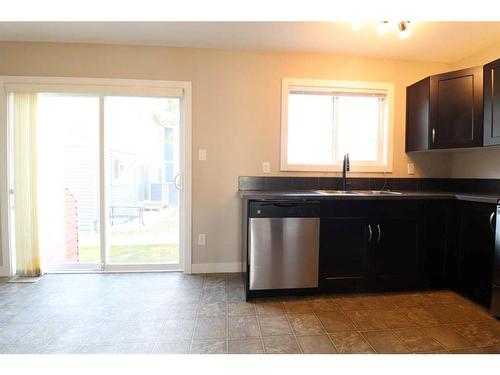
(404, 29)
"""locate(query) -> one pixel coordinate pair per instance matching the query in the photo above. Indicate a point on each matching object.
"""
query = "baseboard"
(3, 271)
(216, 267)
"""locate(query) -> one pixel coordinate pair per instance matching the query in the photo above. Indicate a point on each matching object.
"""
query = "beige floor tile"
(394, 318)
(335, 321)
(455, 313)
(299, 306)
(245, 346)
(305, 324)
(366, 320)
(240, 309)
(208, 310)
(269, 308)
(176, 329)
(417, 341)
(385, 342)
(447, 337)
(406, 299)
(243, 326)
(320, 344)
(209, 347)
(349, 303)
(281, 345)
(351, 343)
(484, 350)
(210, 328)
(324, 304)
(421, 317)
(274, 325)
(176, 347)
(480, 333)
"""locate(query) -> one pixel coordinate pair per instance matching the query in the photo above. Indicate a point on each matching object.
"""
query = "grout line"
(197, 313)
(291, 327)
(227, 313)
(326, 332)
(260, 328)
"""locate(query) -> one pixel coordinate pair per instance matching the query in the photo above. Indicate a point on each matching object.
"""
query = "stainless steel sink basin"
(357, 192)
(338, 192)
(379, 192)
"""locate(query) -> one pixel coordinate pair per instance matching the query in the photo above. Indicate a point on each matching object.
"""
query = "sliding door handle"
(379, 233)
(492, 216)
(177, 180)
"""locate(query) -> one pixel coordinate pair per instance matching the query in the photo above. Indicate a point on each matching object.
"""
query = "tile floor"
(176, 313)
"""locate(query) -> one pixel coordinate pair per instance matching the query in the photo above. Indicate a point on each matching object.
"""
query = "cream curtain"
(24, 114)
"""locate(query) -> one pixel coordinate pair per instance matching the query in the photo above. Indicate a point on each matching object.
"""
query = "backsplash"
(465, 185)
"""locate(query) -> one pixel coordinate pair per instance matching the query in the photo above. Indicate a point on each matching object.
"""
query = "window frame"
(386, 131)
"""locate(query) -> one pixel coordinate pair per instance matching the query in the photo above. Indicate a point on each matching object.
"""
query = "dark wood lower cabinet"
(475, 250)
(344, 261)
(396, 253)
(371, 253)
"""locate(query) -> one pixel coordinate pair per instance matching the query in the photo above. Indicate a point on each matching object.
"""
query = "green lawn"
(133, 254)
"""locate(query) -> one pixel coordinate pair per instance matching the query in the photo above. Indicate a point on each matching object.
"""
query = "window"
(323, 120)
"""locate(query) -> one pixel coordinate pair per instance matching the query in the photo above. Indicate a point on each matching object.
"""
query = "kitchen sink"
(357, 192)
(379, 192)
(338, 192)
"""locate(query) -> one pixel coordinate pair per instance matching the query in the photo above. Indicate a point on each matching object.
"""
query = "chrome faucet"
(345, 168)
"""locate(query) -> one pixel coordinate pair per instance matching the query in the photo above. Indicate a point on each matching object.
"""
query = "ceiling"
(445, 42)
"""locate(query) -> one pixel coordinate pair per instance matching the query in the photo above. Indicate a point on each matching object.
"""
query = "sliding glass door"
(67, 140)
(142, 159)
(109, 175)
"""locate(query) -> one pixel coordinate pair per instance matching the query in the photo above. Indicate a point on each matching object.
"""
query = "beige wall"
(236, 112)
(478, 163)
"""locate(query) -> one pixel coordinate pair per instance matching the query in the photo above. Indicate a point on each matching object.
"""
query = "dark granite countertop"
(313, 194)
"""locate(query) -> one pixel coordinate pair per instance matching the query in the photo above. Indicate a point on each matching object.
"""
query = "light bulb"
(404, 29)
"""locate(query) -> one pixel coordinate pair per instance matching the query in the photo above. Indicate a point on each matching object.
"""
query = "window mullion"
(335, 132)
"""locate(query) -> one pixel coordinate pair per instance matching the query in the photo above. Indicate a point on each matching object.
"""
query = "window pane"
(310, 129)
(143, 156)
(358, 127)
(68, 179)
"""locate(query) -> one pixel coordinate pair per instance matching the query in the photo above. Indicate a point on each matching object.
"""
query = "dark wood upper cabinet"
(417, 115)
(492, 103)
(445, 111)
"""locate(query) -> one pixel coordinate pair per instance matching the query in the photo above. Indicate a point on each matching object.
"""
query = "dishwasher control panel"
(284, 209)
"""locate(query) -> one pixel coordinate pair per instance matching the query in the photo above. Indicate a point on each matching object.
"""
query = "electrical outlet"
(266, 167)
(202, 155)
(411, 168)
(202, 239)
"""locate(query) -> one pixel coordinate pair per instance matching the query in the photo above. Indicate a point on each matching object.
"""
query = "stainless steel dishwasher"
(283, 245)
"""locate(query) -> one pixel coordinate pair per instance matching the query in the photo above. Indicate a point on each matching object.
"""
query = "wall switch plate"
(202, 239)
(202, 155)
(266, 167)
(411, 168)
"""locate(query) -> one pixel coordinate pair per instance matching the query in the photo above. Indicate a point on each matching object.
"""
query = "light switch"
(411, 168)
(202, 239)
(266, 167)
(202, 155)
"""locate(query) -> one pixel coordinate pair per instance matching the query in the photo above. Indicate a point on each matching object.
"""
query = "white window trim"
(133, 87)
(326, 85)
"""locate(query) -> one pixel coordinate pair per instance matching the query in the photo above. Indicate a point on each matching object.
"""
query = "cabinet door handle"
(491, 221)
(433, 135)
(370, 233)
(379, 233)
